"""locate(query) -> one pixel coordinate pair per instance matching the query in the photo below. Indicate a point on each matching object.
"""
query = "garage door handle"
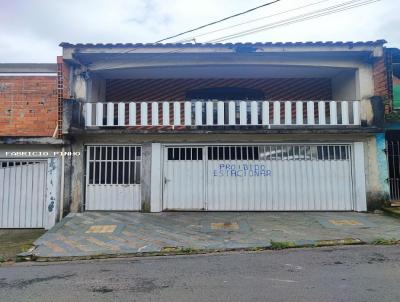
(166, 180)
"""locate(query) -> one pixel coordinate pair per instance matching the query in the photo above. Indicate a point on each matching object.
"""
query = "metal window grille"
(280, 152)
(111, 165)
(185, 153)
(6, 164)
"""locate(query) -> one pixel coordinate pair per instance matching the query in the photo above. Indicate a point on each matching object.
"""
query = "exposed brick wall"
(380, 78)
(175, 89)
(28, 105)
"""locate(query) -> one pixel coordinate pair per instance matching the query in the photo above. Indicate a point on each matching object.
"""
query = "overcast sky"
(31, 30)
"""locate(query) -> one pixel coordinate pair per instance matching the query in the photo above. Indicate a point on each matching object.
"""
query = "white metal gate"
(258, 178)
(113, 178)
(23, 193)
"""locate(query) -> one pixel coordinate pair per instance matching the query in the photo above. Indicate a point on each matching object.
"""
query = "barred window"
(6, 164)
(233, 153)
(178, 153)
(114, 164)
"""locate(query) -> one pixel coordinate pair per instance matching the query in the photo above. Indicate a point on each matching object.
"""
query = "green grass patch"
(384, 241)
(179, 250)
(280, 245)
(13, 242)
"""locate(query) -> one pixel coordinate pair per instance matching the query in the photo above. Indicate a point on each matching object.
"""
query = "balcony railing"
(223, 113)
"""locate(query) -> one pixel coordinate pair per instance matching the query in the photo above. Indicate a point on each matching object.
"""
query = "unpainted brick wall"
(380, 78)
(28, 105)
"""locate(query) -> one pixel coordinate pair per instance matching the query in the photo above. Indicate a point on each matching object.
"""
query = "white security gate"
(258, 178)
(113, 178)
(23, 193)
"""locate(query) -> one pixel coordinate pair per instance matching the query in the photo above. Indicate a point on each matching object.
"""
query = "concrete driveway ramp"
(94, 234)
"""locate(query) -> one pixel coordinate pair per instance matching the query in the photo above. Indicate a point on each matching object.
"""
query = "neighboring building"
(224, 127)
(389, 75)
(30, 116)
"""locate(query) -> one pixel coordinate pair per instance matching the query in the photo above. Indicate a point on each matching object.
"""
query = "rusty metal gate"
(23, 193)
(284, 177)
(113, 174)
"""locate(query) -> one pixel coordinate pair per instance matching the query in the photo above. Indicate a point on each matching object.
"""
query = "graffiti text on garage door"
(241, 170)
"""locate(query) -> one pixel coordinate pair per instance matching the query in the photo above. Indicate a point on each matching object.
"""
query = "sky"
(31, 30)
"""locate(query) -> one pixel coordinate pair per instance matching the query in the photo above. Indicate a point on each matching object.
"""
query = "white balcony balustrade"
(211, 113)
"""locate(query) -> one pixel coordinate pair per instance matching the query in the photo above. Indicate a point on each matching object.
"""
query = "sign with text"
(241, 170)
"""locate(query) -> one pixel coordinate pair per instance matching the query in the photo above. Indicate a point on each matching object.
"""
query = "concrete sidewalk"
(95, 234)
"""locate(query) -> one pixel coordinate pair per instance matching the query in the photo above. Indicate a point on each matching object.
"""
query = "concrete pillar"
(146, 177)
(360, 203)
(74, 179)
(156, 178)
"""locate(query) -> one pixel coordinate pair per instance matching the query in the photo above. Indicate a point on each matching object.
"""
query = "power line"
(218, 21)
(251, 21)
(296, 19)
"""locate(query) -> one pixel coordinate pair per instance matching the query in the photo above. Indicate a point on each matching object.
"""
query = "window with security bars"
(181, 153)
(279, 152)
(110, 165)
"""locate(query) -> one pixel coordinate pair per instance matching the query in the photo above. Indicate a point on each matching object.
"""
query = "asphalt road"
(359, 273)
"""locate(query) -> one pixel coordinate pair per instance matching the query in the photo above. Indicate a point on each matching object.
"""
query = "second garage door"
(258, 178)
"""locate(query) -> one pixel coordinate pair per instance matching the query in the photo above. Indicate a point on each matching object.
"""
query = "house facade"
(30, 146)
(224, 127)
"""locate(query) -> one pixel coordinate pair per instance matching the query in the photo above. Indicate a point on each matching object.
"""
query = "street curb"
(176, 251)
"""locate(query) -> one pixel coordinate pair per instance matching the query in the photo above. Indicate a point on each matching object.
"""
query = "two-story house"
(224, 127)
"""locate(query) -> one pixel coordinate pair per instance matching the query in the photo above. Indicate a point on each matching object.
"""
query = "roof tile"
(308, 43)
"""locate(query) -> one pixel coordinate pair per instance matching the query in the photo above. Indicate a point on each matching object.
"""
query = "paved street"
(352, 273)
(115, 233)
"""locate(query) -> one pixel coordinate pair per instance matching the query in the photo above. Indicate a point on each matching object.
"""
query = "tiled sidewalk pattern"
(99, 233)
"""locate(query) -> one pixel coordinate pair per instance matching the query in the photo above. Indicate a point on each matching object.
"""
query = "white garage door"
(22, 193)
(113, 178)
(258, 178)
